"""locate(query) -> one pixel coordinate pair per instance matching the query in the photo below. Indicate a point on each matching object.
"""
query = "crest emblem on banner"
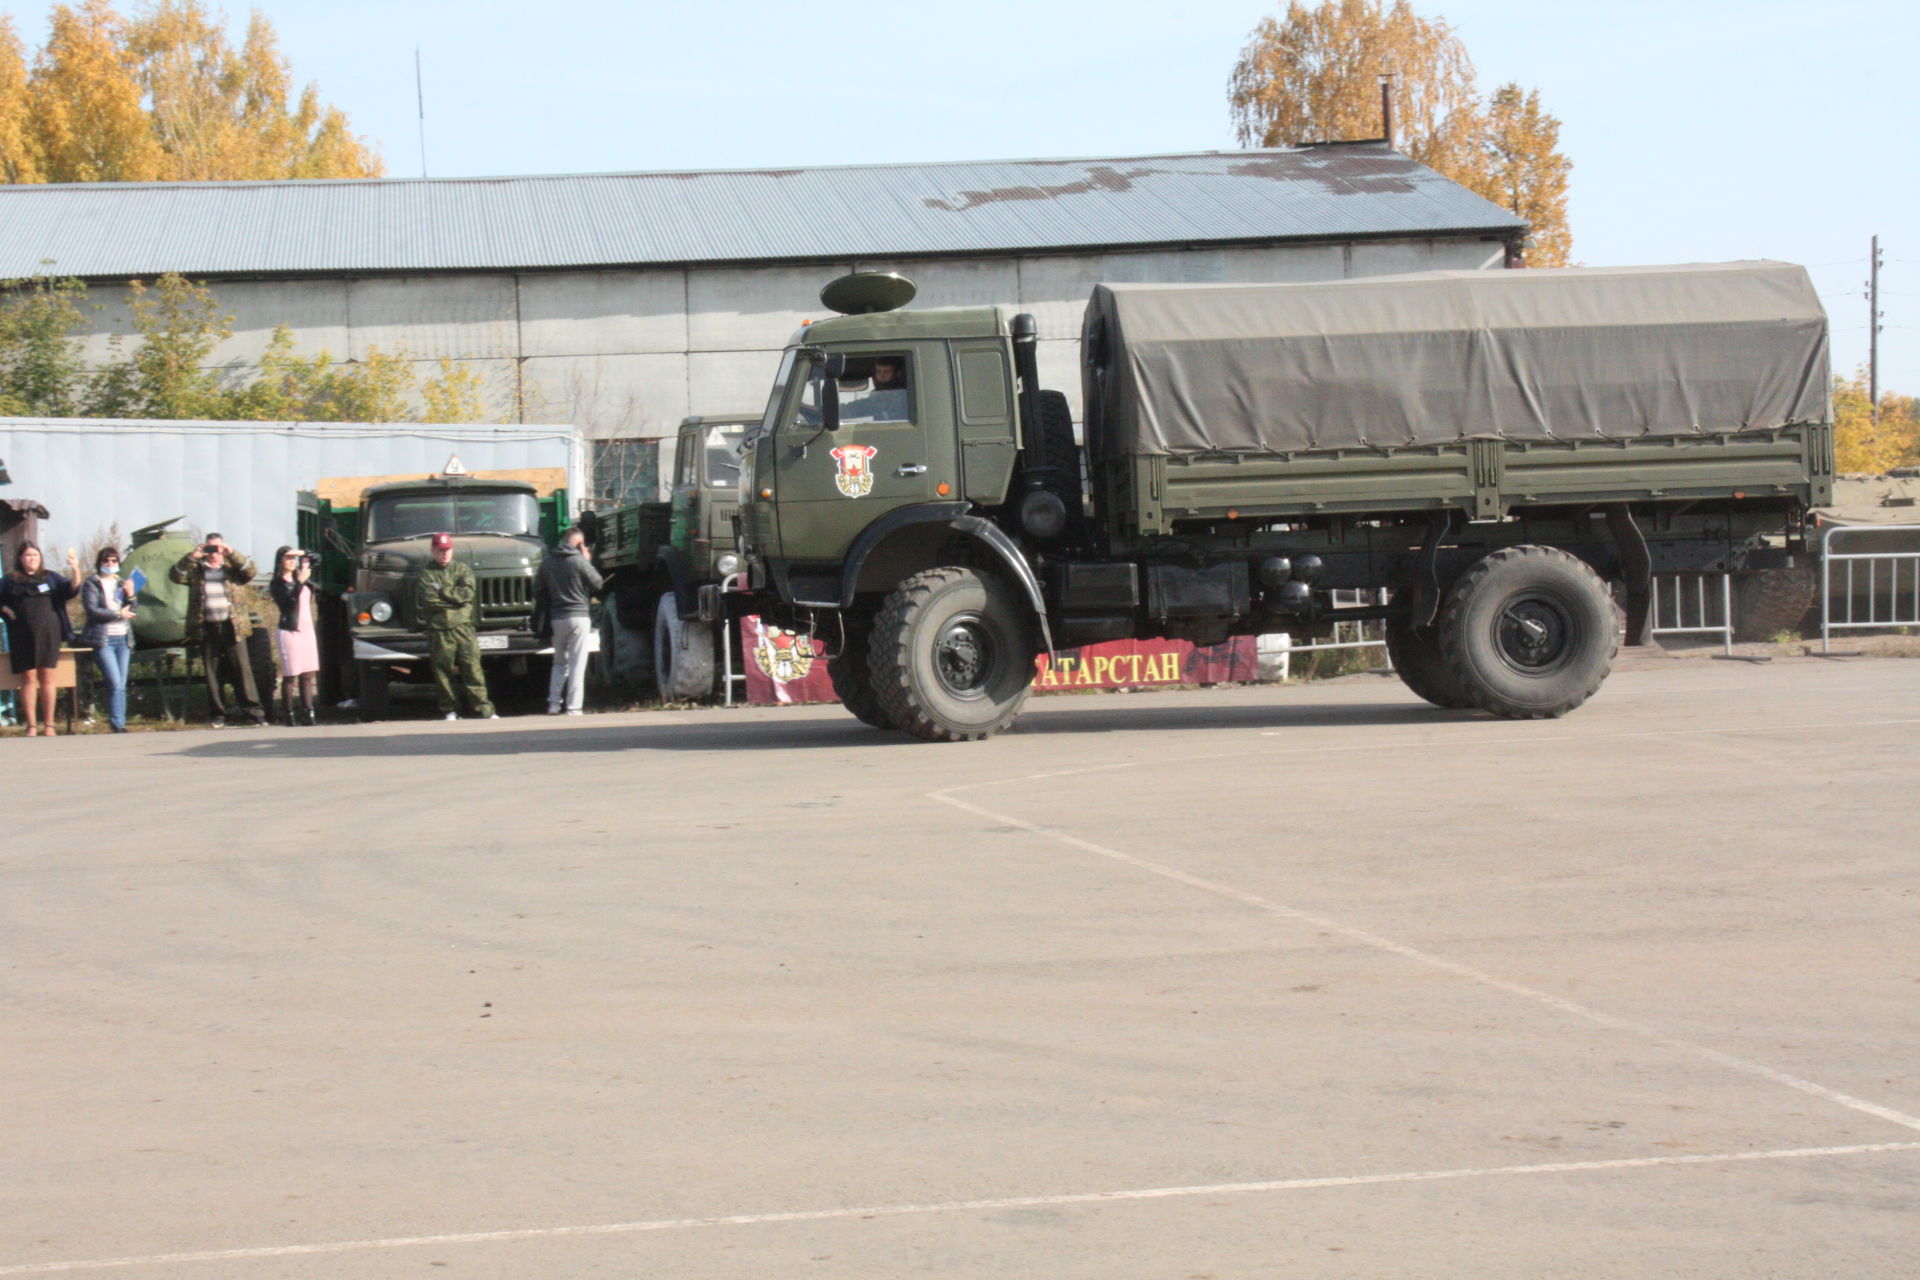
(855, 475)
(782, 656)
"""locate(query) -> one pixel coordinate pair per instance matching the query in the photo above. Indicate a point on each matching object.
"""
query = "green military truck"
(374, 544)
(1494, 448)
(664, 563)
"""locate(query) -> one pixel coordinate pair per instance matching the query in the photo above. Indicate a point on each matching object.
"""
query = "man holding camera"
(219, 620)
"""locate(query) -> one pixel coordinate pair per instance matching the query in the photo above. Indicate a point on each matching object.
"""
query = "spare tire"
(1767, 602)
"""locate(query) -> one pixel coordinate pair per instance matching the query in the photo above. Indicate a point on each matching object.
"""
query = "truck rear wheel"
(1417, 660)
(373, 699)
(851, 672)
(1528, 632)
(952, 655)
(682, 653)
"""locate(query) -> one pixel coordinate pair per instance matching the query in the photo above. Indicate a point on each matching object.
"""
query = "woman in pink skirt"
(295, 638)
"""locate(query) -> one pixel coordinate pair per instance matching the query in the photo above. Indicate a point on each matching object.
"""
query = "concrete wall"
(626, 353)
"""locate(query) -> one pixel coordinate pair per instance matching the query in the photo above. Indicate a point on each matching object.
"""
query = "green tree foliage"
(41, 372)
(1313, 75)
(168, 372)
(164, 97)
(1861, 445)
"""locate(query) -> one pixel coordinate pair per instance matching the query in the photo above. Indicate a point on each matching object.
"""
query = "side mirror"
(836, 365)
(830, 399)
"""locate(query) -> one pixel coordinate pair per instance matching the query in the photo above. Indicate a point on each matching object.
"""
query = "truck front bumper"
(413, 648)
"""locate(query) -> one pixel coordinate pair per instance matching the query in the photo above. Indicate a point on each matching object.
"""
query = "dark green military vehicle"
(1494, 448)
(664, 563)
(373, 549)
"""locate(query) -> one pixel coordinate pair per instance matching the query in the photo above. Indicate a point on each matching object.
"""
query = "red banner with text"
(782, 666)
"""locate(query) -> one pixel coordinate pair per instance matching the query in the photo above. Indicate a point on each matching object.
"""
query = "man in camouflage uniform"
(443, 597)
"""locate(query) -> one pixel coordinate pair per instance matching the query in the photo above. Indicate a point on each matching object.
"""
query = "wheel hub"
(1533, 633)
(963, 657)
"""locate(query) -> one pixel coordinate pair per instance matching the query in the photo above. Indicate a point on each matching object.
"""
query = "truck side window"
(723, 447)
(875, 388)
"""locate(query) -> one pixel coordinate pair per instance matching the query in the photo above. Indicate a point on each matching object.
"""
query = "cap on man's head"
(443, 542)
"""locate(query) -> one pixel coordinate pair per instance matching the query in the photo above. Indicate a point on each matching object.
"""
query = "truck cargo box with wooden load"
(1494, 448)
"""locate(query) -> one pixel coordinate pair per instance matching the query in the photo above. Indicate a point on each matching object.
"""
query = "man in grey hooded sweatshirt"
(569, 581)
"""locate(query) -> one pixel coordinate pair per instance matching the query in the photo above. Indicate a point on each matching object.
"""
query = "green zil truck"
(665, 562)
(1498, 450)
(372, 549)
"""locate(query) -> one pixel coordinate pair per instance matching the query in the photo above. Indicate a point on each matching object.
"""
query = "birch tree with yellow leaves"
(164, 96)
(1313, 75)
(1860, 444)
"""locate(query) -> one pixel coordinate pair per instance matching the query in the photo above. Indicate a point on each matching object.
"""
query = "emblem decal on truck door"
(855, 475)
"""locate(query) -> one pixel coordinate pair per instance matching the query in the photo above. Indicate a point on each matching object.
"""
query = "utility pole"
(1873, 335)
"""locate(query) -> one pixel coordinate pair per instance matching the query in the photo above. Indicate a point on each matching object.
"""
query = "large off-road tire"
(1767, 602)
(373, 700)
(1417, 660)
(851, 672)
(626, 652)
(1528, 632)
(683, 653)
(952, 655)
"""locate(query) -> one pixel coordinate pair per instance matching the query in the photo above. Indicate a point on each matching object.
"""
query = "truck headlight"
(727, 565)
(380, 611)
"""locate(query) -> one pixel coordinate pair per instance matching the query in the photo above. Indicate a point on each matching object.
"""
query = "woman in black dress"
(33, 600)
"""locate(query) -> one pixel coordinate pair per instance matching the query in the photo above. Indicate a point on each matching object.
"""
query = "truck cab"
(664, 563)
(376, 548)
(923, 406)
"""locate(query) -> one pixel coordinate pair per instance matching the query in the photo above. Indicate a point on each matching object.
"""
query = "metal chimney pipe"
(1386, 107)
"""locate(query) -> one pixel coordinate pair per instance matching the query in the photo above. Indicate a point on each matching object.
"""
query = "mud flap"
(1636, 571)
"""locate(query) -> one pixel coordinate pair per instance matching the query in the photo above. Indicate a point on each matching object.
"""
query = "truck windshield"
(415, 515)
(723, 454)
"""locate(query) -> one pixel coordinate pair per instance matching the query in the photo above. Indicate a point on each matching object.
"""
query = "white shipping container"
(240, 479)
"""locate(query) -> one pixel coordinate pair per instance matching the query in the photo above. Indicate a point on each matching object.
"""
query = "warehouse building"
(623, 302)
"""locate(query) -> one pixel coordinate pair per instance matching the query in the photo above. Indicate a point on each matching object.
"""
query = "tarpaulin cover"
(1617, 353)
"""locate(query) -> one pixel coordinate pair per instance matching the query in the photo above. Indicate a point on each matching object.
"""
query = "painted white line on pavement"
(950, 1206)
(1376, 941)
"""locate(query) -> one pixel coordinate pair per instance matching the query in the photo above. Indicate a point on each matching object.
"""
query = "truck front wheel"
(1528, 632)
(682, 653)
(1417, 660)
(952, 655)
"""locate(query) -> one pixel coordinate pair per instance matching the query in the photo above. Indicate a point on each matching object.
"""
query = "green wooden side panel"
(632, 536)
(1484, 478)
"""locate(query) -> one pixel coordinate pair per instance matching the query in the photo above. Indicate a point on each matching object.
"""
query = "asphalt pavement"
(1303, 982)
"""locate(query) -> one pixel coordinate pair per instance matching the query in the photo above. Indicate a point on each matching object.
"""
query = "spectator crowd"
(222, 602)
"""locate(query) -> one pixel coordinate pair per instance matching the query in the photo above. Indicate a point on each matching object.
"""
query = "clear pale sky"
(1700, 130)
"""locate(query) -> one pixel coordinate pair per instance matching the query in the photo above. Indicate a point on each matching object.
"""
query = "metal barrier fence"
(1678, 611)
(1891, 587)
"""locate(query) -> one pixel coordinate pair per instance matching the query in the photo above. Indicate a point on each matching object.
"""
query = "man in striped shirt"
(219, 620)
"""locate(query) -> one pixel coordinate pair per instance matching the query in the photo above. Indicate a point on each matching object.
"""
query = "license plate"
(493, 642)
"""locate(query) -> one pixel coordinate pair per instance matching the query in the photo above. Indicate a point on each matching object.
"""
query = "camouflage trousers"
(456, 670)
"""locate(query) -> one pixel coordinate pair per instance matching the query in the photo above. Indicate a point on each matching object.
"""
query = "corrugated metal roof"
(741, 215)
